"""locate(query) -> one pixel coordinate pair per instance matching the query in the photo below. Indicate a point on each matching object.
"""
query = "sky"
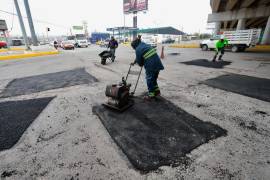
(59, 15)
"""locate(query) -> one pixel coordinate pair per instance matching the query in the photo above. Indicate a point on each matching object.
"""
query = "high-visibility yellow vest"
(149, 53)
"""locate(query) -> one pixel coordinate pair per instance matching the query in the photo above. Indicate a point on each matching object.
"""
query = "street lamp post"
(22, 25)
(31, 24)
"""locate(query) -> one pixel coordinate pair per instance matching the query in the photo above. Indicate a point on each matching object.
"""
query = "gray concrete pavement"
(67, 141)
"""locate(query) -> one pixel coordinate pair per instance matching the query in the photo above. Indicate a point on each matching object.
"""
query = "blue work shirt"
(153, 63)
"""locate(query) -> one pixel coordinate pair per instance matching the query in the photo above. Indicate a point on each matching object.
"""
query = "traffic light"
(48, 29)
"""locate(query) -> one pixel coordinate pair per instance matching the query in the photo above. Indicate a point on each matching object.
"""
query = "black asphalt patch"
(174, 54)
(254, 87)
(16, 117)
(157, 133)
(207, 63)
(34, 84)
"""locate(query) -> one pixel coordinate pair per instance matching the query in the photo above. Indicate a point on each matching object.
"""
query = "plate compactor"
(119, 95)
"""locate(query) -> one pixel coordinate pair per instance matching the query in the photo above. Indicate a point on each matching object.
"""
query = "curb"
(32, 54)
(185, 46)
(259, 48)
(12, 49)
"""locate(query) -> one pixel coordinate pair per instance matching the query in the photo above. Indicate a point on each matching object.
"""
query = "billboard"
(131, 6)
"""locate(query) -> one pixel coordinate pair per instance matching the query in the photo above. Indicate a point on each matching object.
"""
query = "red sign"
(131, 6)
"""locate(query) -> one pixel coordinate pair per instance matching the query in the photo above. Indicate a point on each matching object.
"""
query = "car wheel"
(204, 47)
(103, 61)
(235, 49)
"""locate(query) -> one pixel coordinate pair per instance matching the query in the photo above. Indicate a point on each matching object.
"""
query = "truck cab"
(209, 43)
(81, 40)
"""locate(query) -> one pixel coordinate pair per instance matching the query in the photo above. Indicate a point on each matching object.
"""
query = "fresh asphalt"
(66, 140)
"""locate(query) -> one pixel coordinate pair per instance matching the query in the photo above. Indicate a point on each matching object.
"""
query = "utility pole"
(85, 26)
(5, 36)
(22, 25)
(135, 24)
(124, 34)
(135, 21)
(30, 21)
(47, 33)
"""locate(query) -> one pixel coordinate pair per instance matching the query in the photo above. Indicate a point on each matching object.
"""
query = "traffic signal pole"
(22, 25)
(30, 21)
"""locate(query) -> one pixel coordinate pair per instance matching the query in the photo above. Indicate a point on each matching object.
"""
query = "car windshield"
(216, 37)
(80, 37)
(71, 37)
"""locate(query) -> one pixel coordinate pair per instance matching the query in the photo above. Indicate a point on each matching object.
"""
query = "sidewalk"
(18, 53)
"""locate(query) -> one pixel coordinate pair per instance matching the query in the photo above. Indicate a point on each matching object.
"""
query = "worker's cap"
(135, 43)
(222, 37)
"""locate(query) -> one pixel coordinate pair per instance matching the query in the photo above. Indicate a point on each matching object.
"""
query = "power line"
(36, 20)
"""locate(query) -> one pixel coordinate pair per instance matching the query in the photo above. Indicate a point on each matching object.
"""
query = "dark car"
(168, 41)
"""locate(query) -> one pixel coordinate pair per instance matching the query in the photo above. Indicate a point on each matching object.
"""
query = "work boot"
(220, 58)
(149, 97)
(157, 93)
(214, 59)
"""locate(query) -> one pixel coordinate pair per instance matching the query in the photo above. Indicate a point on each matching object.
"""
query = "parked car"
(43, 42)
(168, 41)
(3, 44)
(104, 43)
(151, 42)
(17, 42)
(67, 45)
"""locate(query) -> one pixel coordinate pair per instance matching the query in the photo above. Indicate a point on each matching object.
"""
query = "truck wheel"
(204, 47)
(242, 49)
(103, 61)
(235, 49)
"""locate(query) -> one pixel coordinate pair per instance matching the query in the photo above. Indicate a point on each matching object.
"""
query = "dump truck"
(238, 41)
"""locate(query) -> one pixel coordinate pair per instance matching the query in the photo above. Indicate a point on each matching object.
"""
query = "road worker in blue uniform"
(147, 56)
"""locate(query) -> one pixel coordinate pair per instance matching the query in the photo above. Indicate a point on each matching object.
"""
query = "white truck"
(79, 40)
(238, 41)
(149, 40)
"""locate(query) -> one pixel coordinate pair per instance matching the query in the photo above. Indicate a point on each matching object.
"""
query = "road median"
(28, 55)
(259, 48)
(185, 45)
(12, 49)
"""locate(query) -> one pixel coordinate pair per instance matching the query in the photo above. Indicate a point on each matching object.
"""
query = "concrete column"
(266, 34)
(31, 24)
(22, 25)
(241, 25)
(217, 28)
